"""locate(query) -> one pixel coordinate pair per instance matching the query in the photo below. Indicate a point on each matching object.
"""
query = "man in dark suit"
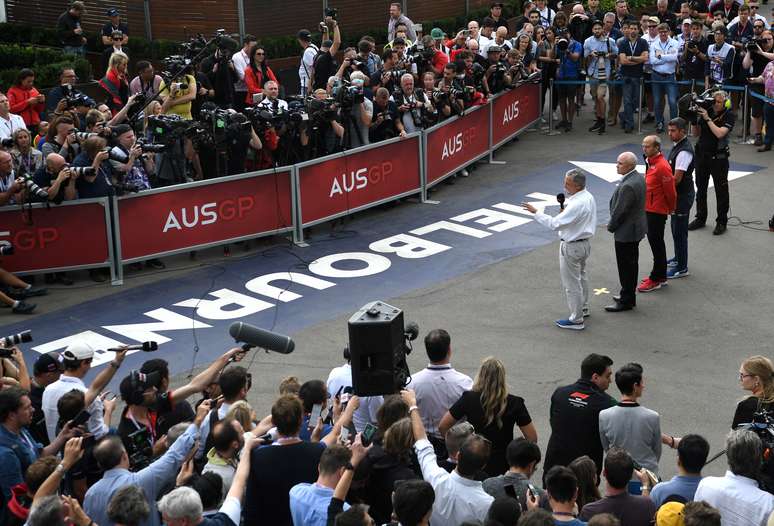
(628, 225)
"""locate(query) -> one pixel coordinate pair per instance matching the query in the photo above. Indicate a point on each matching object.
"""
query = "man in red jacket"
(660, 200)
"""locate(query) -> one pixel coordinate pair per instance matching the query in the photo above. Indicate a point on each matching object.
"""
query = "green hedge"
(45, 62)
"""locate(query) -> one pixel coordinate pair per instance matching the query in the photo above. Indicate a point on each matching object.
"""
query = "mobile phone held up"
(368, 434)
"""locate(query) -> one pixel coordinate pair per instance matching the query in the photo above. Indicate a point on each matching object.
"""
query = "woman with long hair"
(493, 412)
(547, 61)
(756, 375)
(26, 158)
(524, 48)
(383, 466)
(25, 100)
(257, 73)
(585, 471)
(115, 83)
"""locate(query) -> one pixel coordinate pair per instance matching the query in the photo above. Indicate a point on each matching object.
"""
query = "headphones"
(136, 394)
(726, 99)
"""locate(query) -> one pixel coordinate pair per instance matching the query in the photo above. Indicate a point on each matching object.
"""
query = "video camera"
(753, 44)
(139, 449)
(6, 249)
(331, 12)
(763, 425)
(690, 103)
(7, 143)
(74, 98)
(346, 95)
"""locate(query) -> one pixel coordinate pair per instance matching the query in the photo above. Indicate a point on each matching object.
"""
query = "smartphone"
(314, 417)
(466, 33)
(368, 434)
(344, 436)
(257, 97)
(81, 418)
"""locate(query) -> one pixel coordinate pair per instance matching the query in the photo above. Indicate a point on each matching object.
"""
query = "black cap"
(47, 363)
(120, 129)
(112, 12)
(304, 34)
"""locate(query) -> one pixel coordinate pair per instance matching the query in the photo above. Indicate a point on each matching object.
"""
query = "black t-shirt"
(44, 179)
(387, 129)
(181, 412)
(708, 143)
(694, 67)
(237, 153)
(128, 425)
(759, 63)
(574, 418)
(390, 85)
(101, 186)
(38, 427)
(631, 49)
(325, 66)
(273, 471)
(107, 29)
(469, 406)
(746, 409)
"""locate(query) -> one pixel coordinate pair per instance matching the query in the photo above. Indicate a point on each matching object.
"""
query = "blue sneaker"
(671, 262)
(674, 273)
(567, 324)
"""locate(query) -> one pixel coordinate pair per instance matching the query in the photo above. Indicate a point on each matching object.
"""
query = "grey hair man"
(575, 223)
(628, 225)
(737, 494)
(128, 506)
(454, 438)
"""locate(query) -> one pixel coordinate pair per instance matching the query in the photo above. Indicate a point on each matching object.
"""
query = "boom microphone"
(411, 331)
(144, 347)
(271, 341)
(560, 200)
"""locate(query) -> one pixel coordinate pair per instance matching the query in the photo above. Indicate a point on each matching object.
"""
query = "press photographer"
(355, 111)
(98, 181)
(65, 90)
(450, 93)
(133, 166)
(324, 64)
(220, 70)
(383, 118)
(11, 187)
(713, 123)
(389, 75)
(759, 54)
(497, 70)
(61, 139)
(414, 108)
(695, 54)
(56, 178)
(323, 133)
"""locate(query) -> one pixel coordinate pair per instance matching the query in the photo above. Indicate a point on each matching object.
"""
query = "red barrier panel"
(72, 235)
(513, 111)
(195, 215)
(455, 143)
(344, 183)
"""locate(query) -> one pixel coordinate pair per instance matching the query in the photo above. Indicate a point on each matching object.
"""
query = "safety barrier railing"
(112, 232)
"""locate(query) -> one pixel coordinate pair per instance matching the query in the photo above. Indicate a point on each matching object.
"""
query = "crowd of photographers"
(442, 451)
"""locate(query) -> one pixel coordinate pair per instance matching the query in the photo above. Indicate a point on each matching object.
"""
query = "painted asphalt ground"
(497, 295)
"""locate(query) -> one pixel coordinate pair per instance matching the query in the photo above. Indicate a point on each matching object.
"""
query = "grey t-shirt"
(359, 137)
(634, 428)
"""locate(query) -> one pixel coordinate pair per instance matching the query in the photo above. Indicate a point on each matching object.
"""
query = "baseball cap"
(687, 21)
(494, 49)
(437, 33)
(47, 363)
(112, 12)
(670, 514)
(654, 19)
(78, 351)
(304, 34)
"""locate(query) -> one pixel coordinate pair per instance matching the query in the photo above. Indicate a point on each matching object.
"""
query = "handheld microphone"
(144, 347)
(560, 200)
(271, 341)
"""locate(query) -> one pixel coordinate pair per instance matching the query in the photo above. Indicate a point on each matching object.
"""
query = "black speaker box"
(377, 347)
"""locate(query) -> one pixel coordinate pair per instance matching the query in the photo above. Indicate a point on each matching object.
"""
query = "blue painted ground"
(467, 255)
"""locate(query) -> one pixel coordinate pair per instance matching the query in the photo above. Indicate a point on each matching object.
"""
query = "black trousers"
(656, 226)
(707, 167)
(627, 257)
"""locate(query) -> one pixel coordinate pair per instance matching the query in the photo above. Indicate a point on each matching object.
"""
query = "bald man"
(628, 225)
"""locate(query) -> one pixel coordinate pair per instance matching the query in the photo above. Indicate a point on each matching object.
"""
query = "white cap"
(687, 21)
(78, 351)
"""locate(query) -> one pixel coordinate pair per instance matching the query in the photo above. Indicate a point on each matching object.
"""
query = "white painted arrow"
(607, 171)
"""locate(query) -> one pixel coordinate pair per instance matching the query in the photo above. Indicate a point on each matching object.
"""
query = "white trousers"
(572, 267)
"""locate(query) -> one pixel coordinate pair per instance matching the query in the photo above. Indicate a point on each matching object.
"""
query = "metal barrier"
(192, 216)
(344, 183)
(72, 236)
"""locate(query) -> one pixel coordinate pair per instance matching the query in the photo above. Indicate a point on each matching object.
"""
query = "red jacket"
(17, 99)
(660, 192)
(255, 81)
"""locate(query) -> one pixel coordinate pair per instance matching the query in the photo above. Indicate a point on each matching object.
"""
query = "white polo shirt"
(437, 388)
(53, 392)
(10, 125)
(738, 499)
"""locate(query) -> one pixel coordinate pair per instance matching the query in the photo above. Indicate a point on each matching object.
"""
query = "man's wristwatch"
(349, 466)
(412, 408)
(60, 468)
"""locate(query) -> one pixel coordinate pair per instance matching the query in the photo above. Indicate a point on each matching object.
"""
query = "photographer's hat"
(47, 363)
(671, 514)
(119, 130)
(687, 21)
(494, 49)
(654, 19)
(112, 12)
(437, 33)
(304, 34)
(78, 351)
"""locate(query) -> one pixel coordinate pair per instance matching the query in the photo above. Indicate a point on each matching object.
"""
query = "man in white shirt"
(340, 377)
(737, 495)
(475, 34)
(9, 122)
(458, 496)
(241, 59)
(307, 60)
(576, 224)
(664, 53)
(271, 100)
(546, 13)
(77, 362)
(438, 386)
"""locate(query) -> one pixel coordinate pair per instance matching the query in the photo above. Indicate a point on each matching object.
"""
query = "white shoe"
(464, 173)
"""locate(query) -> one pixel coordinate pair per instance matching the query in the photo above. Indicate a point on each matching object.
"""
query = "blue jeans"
(659, 90)
(679, 225)
(768, 116)
(631, 100)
